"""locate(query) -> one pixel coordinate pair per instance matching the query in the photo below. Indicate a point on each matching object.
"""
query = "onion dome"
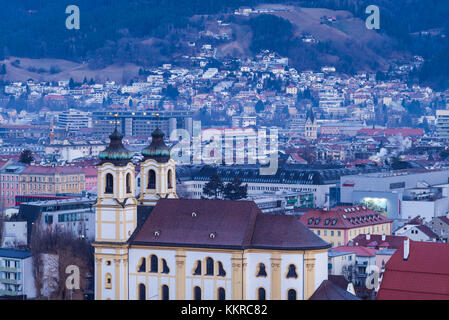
(115, 152)
(157, 150)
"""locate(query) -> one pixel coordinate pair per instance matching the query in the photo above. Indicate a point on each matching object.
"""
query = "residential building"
(10, 177)
(341, 224)
(442, 124)
(365, 260)
(16, 274)
(440, 225)
(417, 232)
(40, 180)
(341, 264)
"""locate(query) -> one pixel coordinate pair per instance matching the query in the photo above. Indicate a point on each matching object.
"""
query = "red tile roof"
(427, 231)
(358, 250)
(343, 217)
(331, 291)
(52, 170)
(423, 276)
(444, 219)
(390, 242)
(234, 225)
(405, 132)
(90, 171)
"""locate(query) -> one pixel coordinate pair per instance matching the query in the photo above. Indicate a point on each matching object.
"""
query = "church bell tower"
(157, 171)
(116, 219)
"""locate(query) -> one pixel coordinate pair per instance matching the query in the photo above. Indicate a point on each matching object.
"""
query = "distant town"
(360, 193)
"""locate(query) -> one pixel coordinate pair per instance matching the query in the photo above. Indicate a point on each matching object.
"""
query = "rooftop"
(223, 224)
(343, 217)
(423, 276)
(15, 254)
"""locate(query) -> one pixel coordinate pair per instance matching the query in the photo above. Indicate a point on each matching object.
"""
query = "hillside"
(118, 37)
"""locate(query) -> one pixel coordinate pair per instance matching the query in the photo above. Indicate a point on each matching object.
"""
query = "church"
(154, 246)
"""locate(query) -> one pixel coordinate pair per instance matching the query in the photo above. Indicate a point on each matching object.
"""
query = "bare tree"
(69, 251)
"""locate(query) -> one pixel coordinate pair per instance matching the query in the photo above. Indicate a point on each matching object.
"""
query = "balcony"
(9, 293)
(10, 281)
(9, 269)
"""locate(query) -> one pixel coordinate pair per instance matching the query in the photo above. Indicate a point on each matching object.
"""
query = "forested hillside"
(147, 32)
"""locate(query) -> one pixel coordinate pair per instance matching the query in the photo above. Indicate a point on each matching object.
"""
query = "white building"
(70, 150)
(16, 273)
(14, 234)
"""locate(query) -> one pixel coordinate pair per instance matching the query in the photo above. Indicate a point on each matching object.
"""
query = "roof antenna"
(157, 120)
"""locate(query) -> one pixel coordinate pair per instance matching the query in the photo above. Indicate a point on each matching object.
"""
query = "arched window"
(108, 281)
(209, 267)
(261, 272)
(151, 180)
(165, 268)
(292, 271)
(261, 294)
(221, 294)
(109, 187)
(291, 294)
(197, 293)
(221, 271)
(153, 261)
(165, 292)
(128, 183)
(142, 292)
(169, 180)
(142, 265)
(197, 270)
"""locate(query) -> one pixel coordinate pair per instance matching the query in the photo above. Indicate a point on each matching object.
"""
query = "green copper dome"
(115, 152)
(157, 150)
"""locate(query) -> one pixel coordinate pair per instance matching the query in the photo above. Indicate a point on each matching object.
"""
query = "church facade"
(154, 246)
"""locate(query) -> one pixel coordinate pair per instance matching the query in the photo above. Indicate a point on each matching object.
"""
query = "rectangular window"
(397, 185)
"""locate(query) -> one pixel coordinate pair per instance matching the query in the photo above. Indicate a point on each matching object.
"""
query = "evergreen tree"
(235, 190)
(259, 106)
(214, 188)
(71, 83)
(26, 156)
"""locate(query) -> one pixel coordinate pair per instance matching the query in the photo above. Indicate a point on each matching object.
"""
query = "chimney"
(384, 237)
(406, 248)
(368, 236)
